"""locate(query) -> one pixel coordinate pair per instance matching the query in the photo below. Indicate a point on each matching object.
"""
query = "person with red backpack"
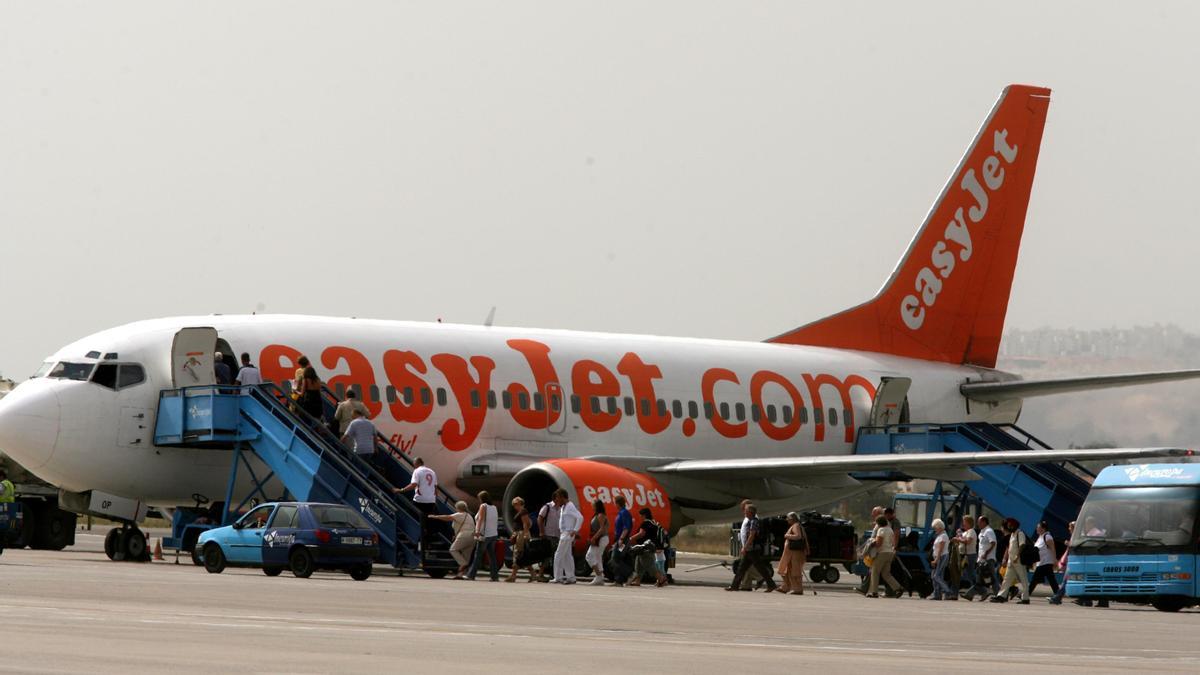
(1019, 553)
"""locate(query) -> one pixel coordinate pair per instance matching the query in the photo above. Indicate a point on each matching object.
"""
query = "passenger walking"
(1047, 563)
(940, 558)
(520, 539)
(884, 543)
(344, 413)
(310, 394)
(623, 522)
(987, 580)
(221, 369)
(794, 557)
(302, 364)
(487, 531)
(360, 437)
(647, 541)
(1062, 565)
(597, 542)
(547, 522)
(1015, 573)
(424, 481)
(751, 575)
(248, 374)
(570, 520)
(753, 552)
(968, 542)
(464, 536)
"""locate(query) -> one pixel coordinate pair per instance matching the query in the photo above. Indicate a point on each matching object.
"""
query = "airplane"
(685, 426)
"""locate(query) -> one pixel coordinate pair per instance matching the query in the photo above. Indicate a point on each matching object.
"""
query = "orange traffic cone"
(158, 550)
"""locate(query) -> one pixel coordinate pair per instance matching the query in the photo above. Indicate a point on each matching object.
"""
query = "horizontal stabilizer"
(994, 392)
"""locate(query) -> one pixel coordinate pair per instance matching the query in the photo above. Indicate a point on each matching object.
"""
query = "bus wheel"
(1168, 604)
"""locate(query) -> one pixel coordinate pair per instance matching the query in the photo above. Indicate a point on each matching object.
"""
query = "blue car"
(300, 536)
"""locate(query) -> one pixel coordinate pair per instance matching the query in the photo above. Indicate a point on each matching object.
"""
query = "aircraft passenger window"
(847, 416)
(612, 405)
(771, 414)
(575, 403)
(595, 403)
(755, 413)
(492, 400)
(339, 390)
(441, 396)
(693, 410)
(629, 407)
(390, 392)
(817, 416)
(506, 399)
(555, 402)
(475, 402)
(787, 414)
(803, 413)
(662, 408)
(523, 401)
(645, 407)
(106, 375)
(129, 375)
(677, 409)
(408, 395)
(285, 517)
(374, 393)
(725, 411)
(708, 410)
(424, 395)
(740, 410)
(832, 417)
(538, 402)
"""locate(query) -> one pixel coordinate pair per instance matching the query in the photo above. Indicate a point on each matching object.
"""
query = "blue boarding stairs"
(307, 459)
(1053, 492)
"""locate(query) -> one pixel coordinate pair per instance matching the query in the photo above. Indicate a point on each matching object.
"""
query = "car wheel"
(196, 555)
(360, 572)
(272, 571)
(301, 562)
(214, 558)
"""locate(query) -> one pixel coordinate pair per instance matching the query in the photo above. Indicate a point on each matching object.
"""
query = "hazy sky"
(716, 169)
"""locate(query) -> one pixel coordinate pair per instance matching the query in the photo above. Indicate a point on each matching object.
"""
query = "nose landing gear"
(126, 543)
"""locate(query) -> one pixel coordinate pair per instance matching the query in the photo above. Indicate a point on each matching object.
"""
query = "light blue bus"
(1136, 537)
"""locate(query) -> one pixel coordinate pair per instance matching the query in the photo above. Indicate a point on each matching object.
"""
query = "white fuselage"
(82, 436)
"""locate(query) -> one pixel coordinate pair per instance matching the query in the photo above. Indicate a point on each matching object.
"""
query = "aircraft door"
(556, 408)
(192, 357)
(891, 401)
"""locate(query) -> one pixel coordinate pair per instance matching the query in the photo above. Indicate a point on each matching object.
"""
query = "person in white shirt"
(424, 481)
(985, 567)
(1015, 573)
(941, 556)
(1047, 559)
(968, 542)
(248, 374)
(569, 522)
(884, 538)
(464, 537)
(487, 531)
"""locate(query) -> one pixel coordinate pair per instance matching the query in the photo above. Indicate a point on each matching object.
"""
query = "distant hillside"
(1162, 414)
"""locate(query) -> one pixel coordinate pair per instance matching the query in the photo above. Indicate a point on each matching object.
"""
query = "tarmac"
(76, 611)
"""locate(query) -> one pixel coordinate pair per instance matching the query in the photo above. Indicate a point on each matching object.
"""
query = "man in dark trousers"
(752, 552)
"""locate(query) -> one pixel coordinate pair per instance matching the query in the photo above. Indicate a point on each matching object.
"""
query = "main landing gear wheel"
(135, 546)
(301, 562)
(114, 544)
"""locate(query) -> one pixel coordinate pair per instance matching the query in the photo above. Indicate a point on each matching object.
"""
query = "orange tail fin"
(947, 298)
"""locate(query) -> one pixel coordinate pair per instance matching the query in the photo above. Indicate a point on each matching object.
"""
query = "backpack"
(662, 540)
(1028, 555)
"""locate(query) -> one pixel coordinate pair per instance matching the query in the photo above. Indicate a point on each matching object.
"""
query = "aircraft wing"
(939, 465)
(994, 392)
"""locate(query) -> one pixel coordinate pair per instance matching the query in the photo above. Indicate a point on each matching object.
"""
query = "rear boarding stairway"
(309, 461)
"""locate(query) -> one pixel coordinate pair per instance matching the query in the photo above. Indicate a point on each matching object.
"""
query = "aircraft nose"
(29, 422)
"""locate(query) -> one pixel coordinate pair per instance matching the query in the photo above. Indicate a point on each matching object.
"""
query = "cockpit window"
(71, 371)
(106, 375)
(131, 374)
(45, 368)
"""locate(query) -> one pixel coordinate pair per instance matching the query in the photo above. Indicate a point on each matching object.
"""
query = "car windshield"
(1137, 517)
(338, 516)
(65, 370)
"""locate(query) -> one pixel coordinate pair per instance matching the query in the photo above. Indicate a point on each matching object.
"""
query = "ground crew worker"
(8, 493)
